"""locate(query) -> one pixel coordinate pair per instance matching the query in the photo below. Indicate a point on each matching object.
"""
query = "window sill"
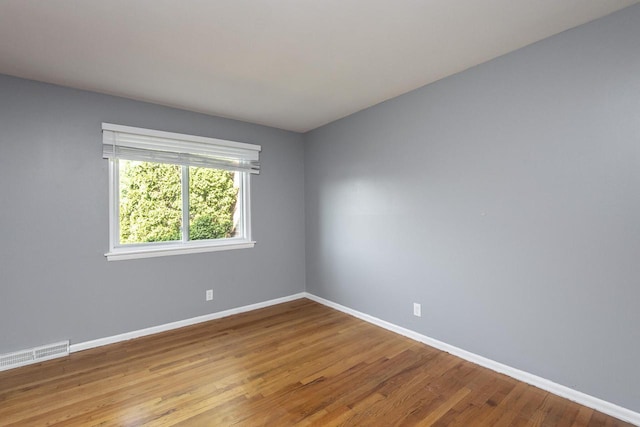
(134, 253)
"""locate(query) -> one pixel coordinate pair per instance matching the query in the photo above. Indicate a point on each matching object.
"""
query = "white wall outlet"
(417, 309)
(209, 294)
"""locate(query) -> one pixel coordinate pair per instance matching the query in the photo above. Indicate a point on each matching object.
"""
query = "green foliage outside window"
(212, 203)
(151, 202)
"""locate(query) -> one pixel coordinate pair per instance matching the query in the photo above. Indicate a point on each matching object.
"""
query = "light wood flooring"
(297, 363)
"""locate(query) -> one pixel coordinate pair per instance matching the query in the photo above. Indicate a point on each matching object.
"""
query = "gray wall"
(55, 282)
(504, 199)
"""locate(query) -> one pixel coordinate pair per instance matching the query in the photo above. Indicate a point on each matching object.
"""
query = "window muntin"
(164, 208)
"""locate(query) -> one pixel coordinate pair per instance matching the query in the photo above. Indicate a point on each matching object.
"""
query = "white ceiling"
(291, 64)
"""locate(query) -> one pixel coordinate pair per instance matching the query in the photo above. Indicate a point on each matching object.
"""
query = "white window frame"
(119, 251)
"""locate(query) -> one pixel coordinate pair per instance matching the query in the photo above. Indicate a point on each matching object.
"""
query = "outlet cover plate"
(417, 309)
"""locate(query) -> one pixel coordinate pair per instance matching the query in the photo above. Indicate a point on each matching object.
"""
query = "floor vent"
(33, 355)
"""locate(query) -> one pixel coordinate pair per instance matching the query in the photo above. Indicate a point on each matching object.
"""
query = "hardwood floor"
(297, 363)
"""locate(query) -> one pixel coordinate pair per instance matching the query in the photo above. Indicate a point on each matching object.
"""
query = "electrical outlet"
(417, 309)
(209, 294)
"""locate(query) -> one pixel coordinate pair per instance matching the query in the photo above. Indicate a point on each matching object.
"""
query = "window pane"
(150, 202)
(213, 203)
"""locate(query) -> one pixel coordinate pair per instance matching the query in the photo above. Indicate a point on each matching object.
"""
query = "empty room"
(320, 213)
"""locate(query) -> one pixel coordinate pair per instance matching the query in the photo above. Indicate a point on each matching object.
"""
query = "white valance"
(131, 143)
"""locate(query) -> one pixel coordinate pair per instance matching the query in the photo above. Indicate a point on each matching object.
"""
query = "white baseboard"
(179, 324)
(557, 389)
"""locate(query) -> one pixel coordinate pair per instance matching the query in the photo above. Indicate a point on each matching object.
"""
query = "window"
(174, 194)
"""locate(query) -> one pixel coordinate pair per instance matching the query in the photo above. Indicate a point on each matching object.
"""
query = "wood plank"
(298, 363)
